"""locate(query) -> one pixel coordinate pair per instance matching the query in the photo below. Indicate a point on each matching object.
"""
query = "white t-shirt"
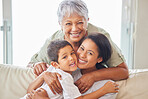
(70, 91)
(97, 85)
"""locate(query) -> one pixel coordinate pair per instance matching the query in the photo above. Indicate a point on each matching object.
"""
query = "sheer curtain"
(1, 33)
(34, 21)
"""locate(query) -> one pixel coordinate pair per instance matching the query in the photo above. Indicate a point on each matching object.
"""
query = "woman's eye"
(80, 22)
(67, 23)
(82, 48)
(90, 53)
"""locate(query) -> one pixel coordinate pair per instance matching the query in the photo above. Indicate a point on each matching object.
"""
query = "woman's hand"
(85, 82)
(39, 94)
(40, 67)
(52, 81)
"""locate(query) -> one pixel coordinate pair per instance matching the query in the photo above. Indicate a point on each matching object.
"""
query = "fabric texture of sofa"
(14, 81)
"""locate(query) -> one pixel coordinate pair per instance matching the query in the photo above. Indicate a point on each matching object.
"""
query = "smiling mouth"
(72, 64)
(75, 34)
(82, 61)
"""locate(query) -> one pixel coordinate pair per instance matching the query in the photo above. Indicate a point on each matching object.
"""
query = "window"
(1, 33)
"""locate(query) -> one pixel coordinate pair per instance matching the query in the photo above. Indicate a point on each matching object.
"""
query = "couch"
(14, 81)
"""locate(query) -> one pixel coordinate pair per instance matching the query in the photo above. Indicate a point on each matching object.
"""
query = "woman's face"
(87, 55)
(74, 27)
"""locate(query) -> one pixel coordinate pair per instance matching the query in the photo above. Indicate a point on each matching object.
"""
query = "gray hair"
(72, 6)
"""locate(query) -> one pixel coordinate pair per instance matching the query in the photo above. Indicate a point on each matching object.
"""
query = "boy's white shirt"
(70, 91)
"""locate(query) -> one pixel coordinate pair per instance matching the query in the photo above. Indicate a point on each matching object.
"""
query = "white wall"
(34, 21)
(141, 36)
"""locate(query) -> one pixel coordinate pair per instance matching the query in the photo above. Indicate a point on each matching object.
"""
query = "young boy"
(64, 62)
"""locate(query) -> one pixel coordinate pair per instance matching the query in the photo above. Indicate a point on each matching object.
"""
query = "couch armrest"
(14, 81)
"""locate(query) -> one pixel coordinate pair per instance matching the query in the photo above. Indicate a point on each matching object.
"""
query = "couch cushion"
(14, 81)
(136, 86)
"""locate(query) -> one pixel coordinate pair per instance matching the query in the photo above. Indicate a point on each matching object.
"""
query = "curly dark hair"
(54, 47)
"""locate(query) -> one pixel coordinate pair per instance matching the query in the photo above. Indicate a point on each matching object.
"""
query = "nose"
(70, 58)
(74, 27)
(82, 54)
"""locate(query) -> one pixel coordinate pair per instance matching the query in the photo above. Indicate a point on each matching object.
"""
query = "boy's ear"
(100, 59)
(54, 64)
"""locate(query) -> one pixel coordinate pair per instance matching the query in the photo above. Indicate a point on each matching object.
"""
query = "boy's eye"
(72, 53)
(64, 57)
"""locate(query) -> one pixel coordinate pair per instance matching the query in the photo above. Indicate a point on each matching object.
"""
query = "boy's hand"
(111, 87)
(40, 67)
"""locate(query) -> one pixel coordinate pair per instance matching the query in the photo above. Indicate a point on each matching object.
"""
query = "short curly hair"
(54, 47)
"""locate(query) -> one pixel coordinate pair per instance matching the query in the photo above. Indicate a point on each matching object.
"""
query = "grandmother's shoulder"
(57, 35)
(92, 28)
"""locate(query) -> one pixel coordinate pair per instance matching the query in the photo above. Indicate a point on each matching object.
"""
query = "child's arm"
(36, 83)
(109, 87)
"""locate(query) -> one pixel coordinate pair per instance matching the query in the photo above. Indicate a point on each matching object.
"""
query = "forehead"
(90, 45)
(66, 49)
(73, 16)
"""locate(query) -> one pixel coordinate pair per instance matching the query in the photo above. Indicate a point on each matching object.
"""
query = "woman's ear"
(100, 59)
(54, 64)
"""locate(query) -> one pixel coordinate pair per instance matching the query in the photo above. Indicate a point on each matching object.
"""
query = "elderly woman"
(73, 19)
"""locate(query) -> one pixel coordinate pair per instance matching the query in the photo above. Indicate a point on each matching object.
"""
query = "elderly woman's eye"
(80, 22)
(68, 23)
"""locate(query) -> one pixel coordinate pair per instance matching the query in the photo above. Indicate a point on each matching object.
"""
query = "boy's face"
(67, 59)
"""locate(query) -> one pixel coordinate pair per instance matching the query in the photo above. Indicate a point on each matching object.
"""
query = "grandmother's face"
(74, 27)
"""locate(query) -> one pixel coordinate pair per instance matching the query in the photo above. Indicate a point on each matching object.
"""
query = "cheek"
(92, 60)
(66, 29)
(85, 25)
(78, 52)
(62, 62)
(82, 27)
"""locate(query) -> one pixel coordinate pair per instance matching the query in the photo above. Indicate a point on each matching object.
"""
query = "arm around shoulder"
(114, 73)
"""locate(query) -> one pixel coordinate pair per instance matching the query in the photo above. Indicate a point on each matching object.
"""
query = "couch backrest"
(14, 81)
